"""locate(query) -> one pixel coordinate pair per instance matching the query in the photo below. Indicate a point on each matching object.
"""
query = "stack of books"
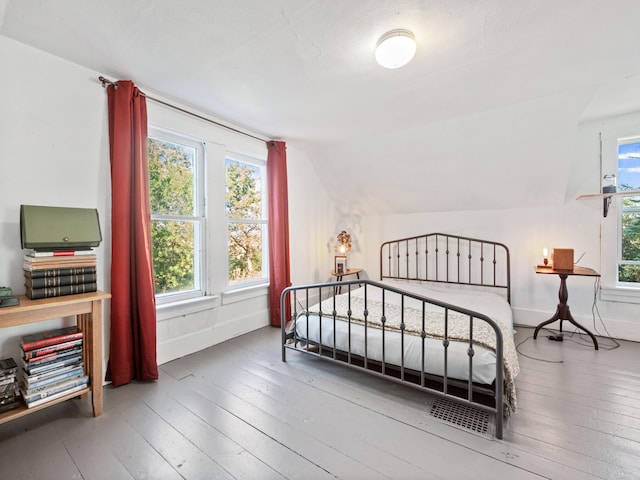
(52, 365)
(55, 273)
(9, 393)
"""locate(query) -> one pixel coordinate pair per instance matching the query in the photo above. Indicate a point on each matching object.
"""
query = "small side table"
(350, 271)
(562, 312)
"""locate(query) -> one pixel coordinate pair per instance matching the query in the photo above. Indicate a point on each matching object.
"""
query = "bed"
(439, 319)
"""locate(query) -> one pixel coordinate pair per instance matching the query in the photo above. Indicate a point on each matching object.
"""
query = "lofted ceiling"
(487, 108)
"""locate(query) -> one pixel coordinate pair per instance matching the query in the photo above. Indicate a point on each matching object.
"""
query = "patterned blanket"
(458, 329)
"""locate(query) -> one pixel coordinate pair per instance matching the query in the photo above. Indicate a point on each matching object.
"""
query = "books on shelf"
(59, 272)
(58, 347)
(49, 398)
(10, 401)
(60, 253)
(48, 375)
(30, 264)
(52, 365)
(55, 273)
(65, 388)
(48, 292)
(50, 337)
(8, 366)
(51, 368)
(58, 280)
(33, 383)
(31, 363)
(9, 393)
(70, 259)
(7, 383)
(30, 392)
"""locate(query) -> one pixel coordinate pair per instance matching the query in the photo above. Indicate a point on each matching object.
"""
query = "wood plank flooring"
(235, 411)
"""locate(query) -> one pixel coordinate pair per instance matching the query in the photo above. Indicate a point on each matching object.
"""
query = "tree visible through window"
(246, 221)
(176, 214)
(629, 179)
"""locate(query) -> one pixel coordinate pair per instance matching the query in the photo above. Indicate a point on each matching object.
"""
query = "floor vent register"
(464, 416)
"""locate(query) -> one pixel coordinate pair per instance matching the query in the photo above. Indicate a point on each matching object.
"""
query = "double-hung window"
(629, 217)
(620, 267)
(245, 204)
(177, 201)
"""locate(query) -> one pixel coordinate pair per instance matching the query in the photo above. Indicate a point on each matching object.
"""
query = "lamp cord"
(581, 336)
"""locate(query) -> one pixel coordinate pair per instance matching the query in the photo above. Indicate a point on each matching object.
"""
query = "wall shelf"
(606, 197)
(622, 193)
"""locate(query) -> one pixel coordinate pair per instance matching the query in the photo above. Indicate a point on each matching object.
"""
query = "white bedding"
(490, 304)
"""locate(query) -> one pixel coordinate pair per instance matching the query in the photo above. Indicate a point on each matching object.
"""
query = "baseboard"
(217, 332)
(616, 328)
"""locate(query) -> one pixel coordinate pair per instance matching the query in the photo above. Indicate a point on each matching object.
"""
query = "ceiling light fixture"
(396, 48)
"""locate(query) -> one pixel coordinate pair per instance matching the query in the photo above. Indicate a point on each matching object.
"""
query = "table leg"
(95, 356)
(555, 317)
(563, 313)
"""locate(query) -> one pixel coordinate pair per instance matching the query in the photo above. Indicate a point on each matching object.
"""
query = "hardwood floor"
(236, 411)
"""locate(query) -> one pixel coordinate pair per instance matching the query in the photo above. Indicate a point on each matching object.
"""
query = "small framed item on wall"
(340, 264)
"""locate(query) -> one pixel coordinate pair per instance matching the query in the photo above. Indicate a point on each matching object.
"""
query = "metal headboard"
(444, 258)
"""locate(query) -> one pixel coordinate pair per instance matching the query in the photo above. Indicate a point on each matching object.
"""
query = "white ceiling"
(487, 108)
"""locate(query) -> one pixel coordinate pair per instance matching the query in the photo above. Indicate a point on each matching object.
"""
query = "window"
(245, 204)
(176, 186)
(620, 229)
(629, 221)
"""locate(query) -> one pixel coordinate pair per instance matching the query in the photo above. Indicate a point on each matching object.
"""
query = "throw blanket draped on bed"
(458, 329)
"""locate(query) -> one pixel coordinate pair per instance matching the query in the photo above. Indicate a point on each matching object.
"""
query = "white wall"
(54, 151)
(571, 224)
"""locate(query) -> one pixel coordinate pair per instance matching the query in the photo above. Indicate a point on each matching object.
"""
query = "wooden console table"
(87, 308)
(562, 312)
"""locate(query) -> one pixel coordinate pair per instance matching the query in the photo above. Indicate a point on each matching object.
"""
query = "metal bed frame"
(432, 257)
(444, 258)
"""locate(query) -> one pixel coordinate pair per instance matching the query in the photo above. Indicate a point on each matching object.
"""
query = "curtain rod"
(106, 82)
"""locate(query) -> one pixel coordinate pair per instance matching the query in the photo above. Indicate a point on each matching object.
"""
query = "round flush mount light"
(396, 48)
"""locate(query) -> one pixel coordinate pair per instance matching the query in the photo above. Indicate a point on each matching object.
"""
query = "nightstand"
(339, 276)
(562, 311)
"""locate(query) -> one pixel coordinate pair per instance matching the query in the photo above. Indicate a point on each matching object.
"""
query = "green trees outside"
(172, 196)
(243, 204)
(171, 186)
(630, 239)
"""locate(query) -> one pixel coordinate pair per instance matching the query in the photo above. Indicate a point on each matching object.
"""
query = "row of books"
(9, 393)
(52, 365)
(55, 273)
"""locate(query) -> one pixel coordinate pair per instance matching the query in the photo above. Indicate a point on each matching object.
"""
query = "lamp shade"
(395, 48)
(344, 243)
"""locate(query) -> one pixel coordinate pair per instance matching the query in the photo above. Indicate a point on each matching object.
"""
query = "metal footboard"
(303, 298)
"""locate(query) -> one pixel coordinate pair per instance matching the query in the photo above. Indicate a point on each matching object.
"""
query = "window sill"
(620, 294)
(194, 305)
(246, 293)
(186, 307)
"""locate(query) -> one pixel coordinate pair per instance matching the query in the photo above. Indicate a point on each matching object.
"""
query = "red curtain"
(279, 268)
(133, 311)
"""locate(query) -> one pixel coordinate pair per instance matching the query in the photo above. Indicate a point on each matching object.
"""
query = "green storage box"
(59, 228)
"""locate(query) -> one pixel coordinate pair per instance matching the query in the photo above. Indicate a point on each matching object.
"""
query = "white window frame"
(611, 226)
(262, 165)
(199, 218)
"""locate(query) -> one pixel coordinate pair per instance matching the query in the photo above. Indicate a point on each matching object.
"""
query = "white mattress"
(490, 304)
